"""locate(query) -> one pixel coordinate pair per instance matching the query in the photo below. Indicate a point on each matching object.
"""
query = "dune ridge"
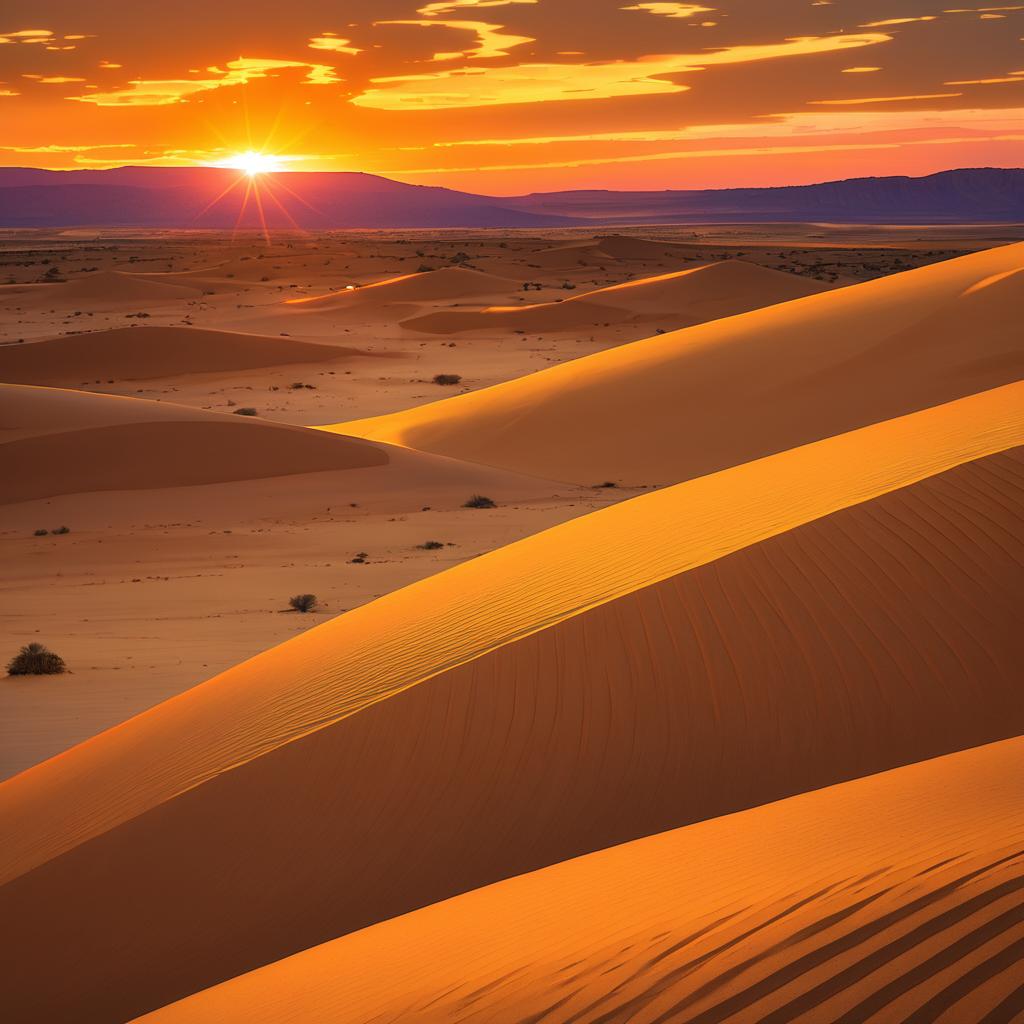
(427, 286)
(146, 353)
(552, 681)
(103, 289)
(686, 297)
(892, 897)
(691, 402)
(64, 442)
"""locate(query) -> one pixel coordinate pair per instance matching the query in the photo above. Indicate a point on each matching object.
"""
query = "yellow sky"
(509, 96)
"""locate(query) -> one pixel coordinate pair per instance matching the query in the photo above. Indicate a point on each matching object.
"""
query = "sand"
(891, 898)
(683, 298)
(529, 706)
(147, 353)
(101, 290)
(695, 401)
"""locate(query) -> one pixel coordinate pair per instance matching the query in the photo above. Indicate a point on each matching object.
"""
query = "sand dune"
(65, 442)
(449, 283)
(145, 353)
(607, 248)
(683, 298)
(891, 898)
(828, 612)
(694, 401)
(105, 289)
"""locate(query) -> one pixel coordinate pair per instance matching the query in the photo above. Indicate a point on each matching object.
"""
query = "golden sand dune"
(66, 442)
(694, 401)
(828, 612)
(684, 298)
(104, 289)
(892, 898)
(145, 353)
(449, 283)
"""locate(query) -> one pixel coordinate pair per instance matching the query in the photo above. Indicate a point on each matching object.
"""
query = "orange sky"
(510, 96)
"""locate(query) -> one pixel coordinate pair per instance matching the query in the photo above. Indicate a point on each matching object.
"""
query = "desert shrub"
(40, 533)
(430, 545)
(36, 660)
(303, 602)
(479, 501)
(425, 268)
(61, 529)
(246, 410)
(608, 483)
(446, 378)
(360, 558)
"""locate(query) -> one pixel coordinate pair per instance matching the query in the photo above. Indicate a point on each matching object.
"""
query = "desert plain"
(709, 712)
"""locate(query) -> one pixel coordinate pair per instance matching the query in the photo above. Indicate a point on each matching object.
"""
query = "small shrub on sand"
(303, 602)
(35, 660)
(479, 501)
(447, 378)
(61, 530)
(40, 533)
(430, 545)
(246, 410)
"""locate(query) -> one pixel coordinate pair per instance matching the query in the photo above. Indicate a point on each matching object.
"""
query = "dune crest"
(893, 897)
(695, 401)
(582, 688)
(105, 289)
(429, 286)
(684, 297)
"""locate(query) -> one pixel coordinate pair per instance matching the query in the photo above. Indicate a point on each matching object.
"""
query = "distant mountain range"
(205, 197)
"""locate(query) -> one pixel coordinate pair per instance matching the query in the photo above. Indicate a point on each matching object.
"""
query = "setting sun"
(252, 163)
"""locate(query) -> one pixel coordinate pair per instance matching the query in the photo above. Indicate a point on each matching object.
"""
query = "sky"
(506, 97)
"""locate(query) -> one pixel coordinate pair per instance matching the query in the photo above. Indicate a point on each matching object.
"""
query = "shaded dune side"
(688, 297)
(54, 442)
(169, 454)
(643, 713)
(890, 898)
(694, 401)
(143, 353)
(105, 288)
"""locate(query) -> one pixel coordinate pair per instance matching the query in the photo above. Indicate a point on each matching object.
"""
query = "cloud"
(28, 35)
(491, 41)
(67, 149)
(164, 92)
(329, 41)
(884, 99)
(859, 71)
(538, 83)
(454, 6)
(899, 21)
(52, 79)
(671, 10)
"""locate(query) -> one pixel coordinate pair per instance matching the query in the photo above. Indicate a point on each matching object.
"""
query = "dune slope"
(66, 442)
(585, 687)
(695, 401)
(893, 897)
(105, 289)
(145, 353)
(685, 297)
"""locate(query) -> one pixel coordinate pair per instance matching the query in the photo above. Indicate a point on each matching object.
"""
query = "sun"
(252, 163)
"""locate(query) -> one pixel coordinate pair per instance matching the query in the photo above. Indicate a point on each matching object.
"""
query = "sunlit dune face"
(252, 163)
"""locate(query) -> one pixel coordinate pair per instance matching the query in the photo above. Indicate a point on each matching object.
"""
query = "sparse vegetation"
(61, 530)
(360, 558)
(246, 410)
(430, 545)
(40, 533)
(36, 660)
(607, 483)
(447, 379)
(480, 501)
(303, 602)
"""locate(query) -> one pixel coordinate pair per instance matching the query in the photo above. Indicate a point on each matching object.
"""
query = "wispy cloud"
(164, 92)
(491, 40)
(671, 10)
(538, 83)
(329, 41)
(454, 6)
(884, 99)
